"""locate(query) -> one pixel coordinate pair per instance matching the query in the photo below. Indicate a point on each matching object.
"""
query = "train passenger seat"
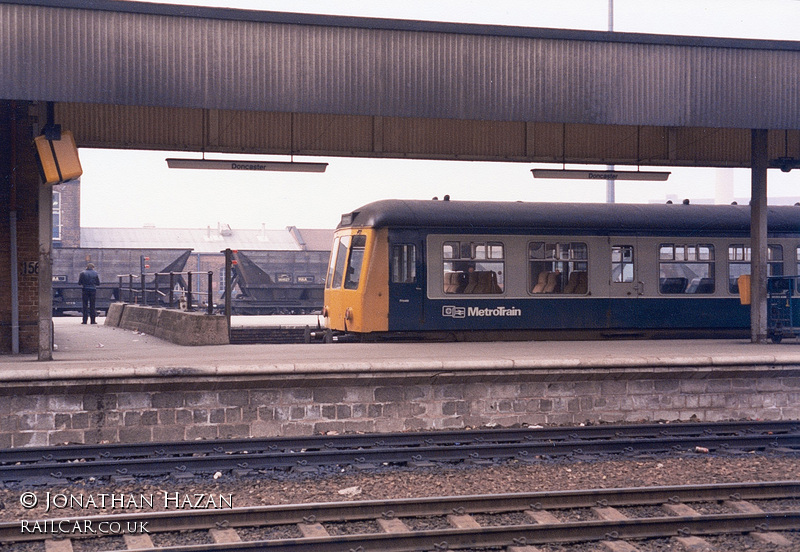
(583, 283)
(472, 283)
(673, 285)
(553, 283)
(487, 282)
(494, 287)
(541, 283)
(703, 285)
(577, 282)
(451, 282)
(572, 282)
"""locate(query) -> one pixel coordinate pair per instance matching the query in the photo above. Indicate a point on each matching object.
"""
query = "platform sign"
(58, 158)
(600, 175)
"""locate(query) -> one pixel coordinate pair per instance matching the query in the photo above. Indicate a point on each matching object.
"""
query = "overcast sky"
(132, 189)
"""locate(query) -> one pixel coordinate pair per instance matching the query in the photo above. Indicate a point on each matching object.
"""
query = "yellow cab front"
(356, 286)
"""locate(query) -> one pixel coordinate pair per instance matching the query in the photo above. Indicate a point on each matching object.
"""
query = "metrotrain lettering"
(451, 311)
(497, 311)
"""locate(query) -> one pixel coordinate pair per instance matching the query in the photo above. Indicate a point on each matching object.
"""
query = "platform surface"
(91, 351)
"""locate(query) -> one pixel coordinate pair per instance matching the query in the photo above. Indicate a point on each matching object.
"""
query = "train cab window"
(338, 259)
(686, 268)
(622, 264)
(404, 264)
(354, 261)
(332, 263)
(739, 263)
(558, 267)
(473, 267)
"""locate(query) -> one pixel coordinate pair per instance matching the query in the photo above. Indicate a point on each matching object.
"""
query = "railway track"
(246, 456)
(460, 522)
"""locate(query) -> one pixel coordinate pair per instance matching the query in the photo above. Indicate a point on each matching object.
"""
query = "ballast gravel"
(347, 484)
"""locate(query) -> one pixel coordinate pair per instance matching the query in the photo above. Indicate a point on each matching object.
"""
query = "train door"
(626, 278)
(406, 294)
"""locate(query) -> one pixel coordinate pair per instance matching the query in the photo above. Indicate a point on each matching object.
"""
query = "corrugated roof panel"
(455, 138)
(321, 133)
(248, 131)
(254, 61)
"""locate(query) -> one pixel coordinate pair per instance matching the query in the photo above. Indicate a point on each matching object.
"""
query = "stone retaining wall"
(184, 407)
(183, 328)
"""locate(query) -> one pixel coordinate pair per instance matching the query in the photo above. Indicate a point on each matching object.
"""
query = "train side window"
(622, 264)
(686, 268)
(558, 267)
(356, 258)
(341, 257)
(404, 264)
(473, 267)
(739, 263)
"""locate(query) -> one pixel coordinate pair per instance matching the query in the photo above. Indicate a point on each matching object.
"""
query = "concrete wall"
(186, 404)
(183, 328)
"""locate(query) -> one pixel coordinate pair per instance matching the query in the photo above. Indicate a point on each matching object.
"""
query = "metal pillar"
(45, 257)
(45, 272)
(758, 235)
(610, 184)
(228, 288)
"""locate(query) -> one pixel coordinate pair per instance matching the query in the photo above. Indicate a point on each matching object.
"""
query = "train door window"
(341, 246)
(622, 264)
(686, 268)
(404, 264)
(473, 267)
(558, 267)
(739, 263)
(356, 258)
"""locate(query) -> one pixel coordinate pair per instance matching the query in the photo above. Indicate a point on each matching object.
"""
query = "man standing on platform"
(89, 280)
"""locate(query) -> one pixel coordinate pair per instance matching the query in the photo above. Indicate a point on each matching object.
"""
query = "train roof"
(585, 217)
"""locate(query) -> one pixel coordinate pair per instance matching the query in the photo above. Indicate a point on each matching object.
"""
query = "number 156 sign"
(27, 268)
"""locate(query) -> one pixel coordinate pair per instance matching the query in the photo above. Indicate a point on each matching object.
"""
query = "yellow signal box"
(58, 158)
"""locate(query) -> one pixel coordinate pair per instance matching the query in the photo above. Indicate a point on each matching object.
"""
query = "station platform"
(107, 384)
(90, 351)
(114, 352)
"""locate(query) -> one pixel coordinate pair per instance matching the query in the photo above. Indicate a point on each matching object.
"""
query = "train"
(470, 270)
(277, 282)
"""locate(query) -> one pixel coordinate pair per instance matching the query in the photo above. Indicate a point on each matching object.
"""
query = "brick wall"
(210, 408)
(27, 182)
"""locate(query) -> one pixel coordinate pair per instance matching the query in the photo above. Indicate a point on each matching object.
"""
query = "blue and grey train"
(504, 270)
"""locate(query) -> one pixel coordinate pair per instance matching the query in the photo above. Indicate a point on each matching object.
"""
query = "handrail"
(188, 293)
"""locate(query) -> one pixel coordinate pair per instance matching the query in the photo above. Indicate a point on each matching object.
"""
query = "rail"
(139, 293)
(468, 522)
(392, 449)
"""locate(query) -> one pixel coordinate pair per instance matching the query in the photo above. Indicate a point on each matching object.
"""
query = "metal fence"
(134, 288)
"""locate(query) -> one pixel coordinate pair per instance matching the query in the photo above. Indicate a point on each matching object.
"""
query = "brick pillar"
(18, 168)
